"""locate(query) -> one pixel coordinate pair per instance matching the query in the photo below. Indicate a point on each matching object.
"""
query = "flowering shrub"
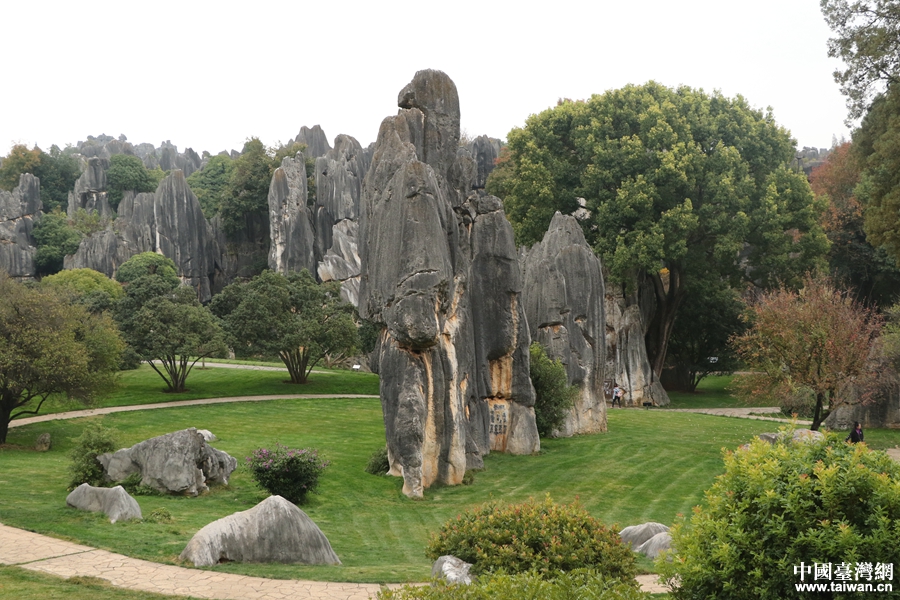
(543, 537)
(287, 472)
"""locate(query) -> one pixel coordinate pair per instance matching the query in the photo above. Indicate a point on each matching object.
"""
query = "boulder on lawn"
(636, 535)
(452, 570)
(274, 530)
(208, 435)
(115, 502)
(43, 442)
(176, 463)
(658, 543)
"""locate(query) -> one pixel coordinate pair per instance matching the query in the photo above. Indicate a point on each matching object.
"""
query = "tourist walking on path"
(856, 434)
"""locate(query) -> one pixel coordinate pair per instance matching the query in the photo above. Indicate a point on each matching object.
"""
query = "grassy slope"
(712, 392)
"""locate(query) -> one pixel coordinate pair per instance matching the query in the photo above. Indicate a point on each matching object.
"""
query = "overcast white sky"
(208, 75)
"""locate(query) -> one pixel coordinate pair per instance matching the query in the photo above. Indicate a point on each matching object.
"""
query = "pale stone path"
(744, 412)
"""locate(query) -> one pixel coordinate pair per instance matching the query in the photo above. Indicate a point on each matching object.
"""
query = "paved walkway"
(37, 552)
(744, 412)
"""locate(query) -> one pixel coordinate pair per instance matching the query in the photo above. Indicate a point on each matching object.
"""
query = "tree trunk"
(668, 299)
(819, 414)
(4, 424)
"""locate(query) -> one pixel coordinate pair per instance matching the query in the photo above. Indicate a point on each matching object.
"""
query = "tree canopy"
(55, 239)
(147, 263)
(57, 171)
(50, 346)
(212, 183)
(127, 172)
(814, 343)
(292, 316)
(678, 183)
(867, 39)
(172, 332)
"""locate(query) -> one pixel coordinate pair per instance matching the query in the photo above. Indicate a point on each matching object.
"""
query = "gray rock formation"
(176, 463)
(449, 395)
(339, 179)
(114, 502)
(43, 442)
(626, 351)
(565, 308)
(658, 543)
(20, 210)
(452, 570)
(273, 531)
(636, 535)
(315, 140)
(290, 220)
(882, 411)
(168, 221)
(485, 151)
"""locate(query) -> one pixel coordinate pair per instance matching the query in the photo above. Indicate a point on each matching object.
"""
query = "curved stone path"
(37, 552)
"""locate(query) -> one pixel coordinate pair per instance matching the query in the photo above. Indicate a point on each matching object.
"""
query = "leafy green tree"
(867, 39)
(19, 160)
(212, 183)
(58, 171)
(554, 397)
(92, 289)
(699, 346)
(291, 316)
(49, 346)
(678, 183)
(172, 332)
(779, 506)
(128, 172)
(246, 203)
(869, 269)
(816, 343)
(148, 263)
(55, 240)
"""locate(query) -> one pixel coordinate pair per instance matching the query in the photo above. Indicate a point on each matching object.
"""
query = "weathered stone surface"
(115, 502)
(208, 435)
(90, 189)
(315, 139)
(658, 543)
(485, 151)
(882, 411)
(565, 307)
(290, 220)
(797, 435)
(273, 531)
(169, 222)
(452, 570)
(636, 535)
(421, 261)
(626, 351)
(177, 463)
(20, 211)
(43, 442)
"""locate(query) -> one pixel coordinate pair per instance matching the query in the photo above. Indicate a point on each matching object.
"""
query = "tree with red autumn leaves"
(815, 343)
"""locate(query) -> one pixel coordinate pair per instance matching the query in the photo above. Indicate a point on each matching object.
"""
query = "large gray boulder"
(658, 543)
(565, 307)
(881, 411)
(176, 463)
(273, 531)
(635, 535)
(449, 395)
(290, 220)
(115, 502)
(452, 570)
(20, 211)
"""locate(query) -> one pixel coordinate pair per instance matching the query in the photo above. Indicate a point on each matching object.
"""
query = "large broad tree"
(867, 39)
(172, 332)
(678, 183)
(49, 346)
(815, 343)
(290, 316)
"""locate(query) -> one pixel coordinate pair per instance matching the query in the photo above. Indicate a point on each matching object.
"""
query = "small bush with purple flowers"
(287, 472)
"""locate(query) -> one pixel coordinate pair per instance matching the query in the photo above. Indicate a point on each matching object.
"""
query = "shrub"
(779, 505)
(287, 472)
(542, 536)
(576, 585)
(95, 439)
(553, 395)
(378, 462)
(160, 515)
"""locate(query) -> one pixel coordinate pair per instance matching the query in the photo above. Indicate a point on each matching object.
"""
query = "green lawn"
(651, 466)
(712, 392)
(28, 585)
(144, 386)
